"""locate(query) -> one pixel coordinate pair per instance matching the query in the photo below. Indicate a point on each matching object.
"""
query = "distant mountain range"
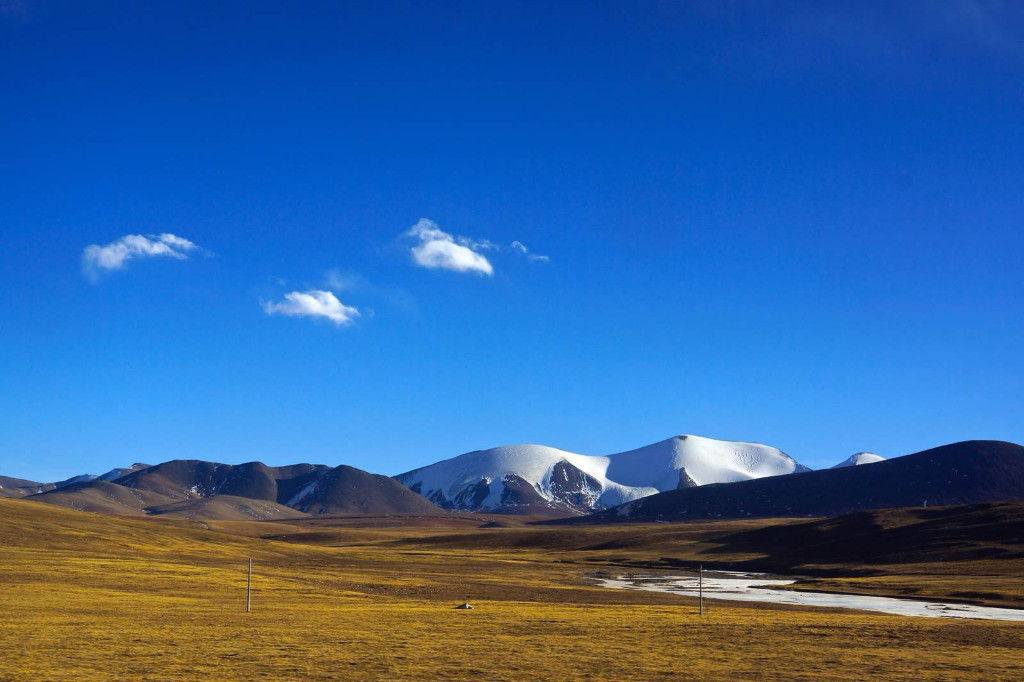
(111, 475)
(253, 491)
(19, 487)
(684, 477)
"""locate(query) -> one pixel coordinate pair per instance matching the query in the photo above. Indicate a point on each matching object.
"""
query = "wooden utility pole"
(248, 590)
(700, 588)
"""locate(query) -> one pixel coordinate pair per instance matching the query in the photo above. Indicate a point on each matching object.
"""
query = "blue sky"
(793, 223)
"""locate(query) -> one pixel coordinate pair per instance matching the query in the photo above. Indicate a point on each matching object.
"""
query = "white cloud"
(519, 247)
(98, 259)
(438, 249)
(313, 303)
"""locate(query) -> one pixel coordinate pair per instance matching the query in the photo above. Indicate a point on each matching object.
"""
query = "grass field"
(84, 596)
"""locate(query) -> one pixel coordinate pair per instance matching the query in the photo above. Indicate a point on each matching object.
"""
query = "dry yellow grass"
(90, 597)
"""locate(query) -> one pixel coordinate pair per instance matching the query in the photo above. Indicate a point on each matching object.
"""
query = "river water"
(759, 587)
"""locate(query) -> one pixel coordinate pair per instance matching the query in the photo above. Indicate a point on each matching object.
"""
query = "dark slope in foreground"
(180, 487)
(960, 473)
(888, 536)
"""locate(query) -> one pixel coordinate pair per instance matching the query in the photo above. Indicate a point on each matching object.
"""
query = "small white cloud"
(449, 256)
(520, 248)
(438, 249)
(98, 259)
(313, 303)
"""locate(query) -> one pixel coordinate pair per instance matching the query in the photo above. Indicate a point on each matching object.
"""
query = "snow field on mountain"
(621, 477)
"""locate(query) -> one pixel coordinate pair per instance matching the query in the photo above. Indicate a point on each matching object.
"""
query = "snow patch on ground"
(306, 491)
(757, 587)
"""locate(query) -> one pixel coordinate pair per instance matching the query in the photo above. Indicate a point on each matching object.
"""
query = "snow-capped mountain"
(858, 459)
(530, 476)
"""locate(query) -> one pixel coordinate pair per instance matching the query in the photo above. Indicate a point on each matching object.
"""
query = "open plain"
(92, 596)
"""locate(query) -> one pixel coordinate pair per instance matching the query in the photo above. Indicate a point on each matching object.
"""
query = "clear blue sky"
(797, 223)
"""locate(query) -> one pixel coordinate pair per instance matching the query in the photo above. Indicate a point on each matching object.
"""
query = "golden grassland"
(85, 596)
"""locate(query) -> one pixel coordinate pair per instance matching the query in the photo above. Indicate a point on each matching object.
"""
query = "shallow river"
(757, 587)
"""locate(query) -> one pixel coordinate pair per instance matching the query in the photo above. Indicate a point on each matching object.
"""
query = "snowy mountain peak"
(858, 459)
(524, 476)
(115, 474)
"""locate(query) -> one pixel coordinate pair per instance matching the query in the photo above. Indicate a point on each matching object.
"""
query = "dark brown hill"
(961, 473)
(194, 488)
(347, 490)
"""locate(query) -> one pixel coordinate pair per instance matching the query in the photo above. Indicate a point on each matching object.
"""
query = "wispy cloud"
(521, 249)
(339, 281)
(313, 303)
(439, 250)
(97, 260)
(479, 244)
(348, 282)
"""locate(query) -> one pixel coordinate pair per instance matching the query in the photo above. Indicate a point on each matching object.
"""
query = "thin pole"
(248, 590)
(700, 588)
